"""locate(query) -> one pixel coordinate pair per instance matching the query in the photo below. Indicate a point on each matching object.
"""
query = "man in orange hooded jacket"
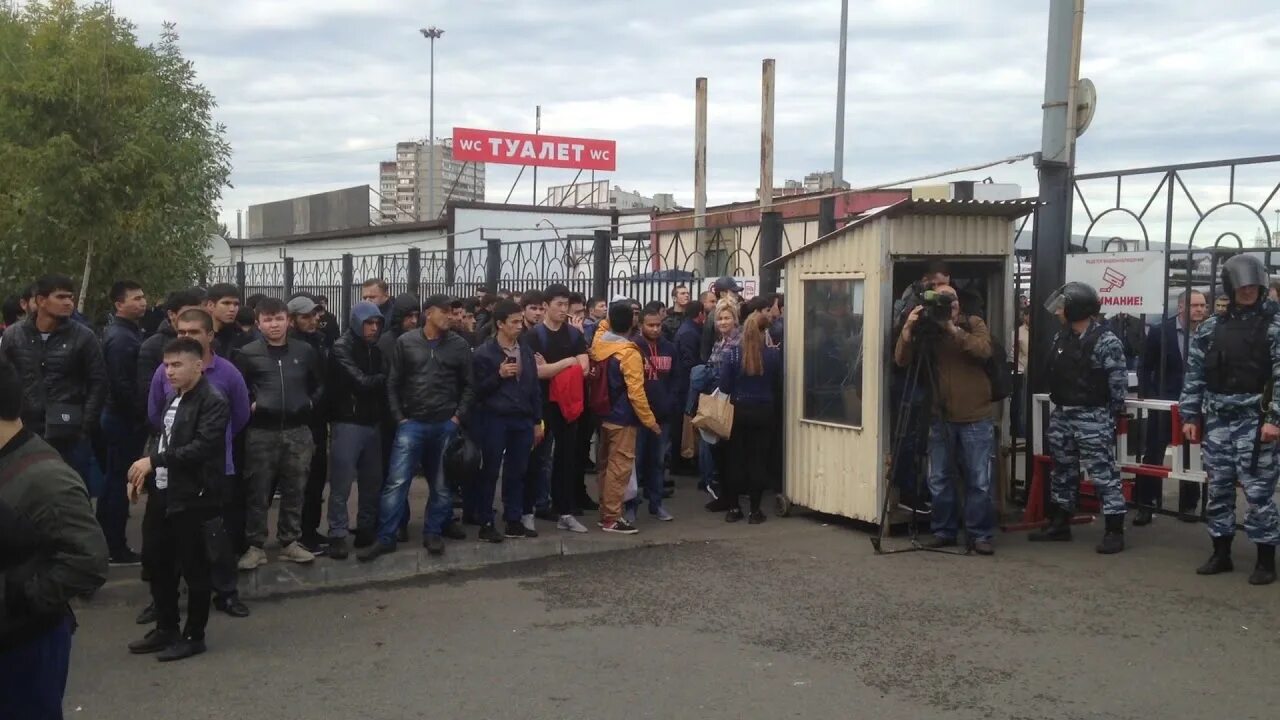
(619, 357)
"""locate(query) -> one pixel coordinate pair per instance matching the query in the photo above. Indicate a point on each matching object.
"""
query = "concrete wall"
(336, 210)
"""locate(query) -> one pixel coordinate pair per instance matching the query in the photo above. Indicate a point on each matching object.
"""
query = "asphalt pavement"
(793, 618)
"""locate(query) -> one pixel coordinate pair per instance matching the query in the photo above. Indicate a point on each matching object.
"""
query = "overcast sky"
(315, 92)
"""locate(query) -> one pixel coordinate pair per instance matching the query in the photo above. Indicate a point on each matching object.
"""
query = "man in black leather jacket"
(185, 476)
(357, 407)
(286, 385)
(63, 376)
(429, 394)
(405, 316)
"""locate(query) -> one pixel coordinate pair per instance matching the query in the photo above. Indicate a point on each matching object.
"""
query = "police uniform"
(1234, 360)
(1088, 380)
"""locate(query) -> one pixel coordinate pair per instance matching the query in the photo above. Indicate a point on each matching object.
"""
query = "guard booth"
(840, 293)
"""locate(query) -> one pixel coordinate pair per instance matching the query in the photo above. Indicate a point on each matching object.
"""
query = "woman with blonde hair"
(751, 375)
(716, 456)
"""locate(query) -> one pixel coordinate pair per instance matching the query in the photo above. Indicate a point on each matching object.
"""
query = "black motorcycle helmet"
(1242, 271)
(1077, 300)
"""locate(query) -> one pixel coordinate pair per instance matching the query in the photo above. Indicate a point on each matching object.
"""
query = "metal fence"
(1199, 214)
(598, 265)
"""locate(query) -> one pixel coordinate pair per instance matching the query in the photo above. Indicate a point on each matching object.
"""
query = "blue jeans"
(33, 676)
(650, 473)
(124, 443)
(417, 442)
(706, 464)
(972, 444)
(78, 453)
(505, 442)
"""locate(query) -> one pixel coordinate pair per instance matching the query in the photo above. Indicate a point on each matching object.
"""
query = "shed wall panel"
(829, 468)
(950, 235)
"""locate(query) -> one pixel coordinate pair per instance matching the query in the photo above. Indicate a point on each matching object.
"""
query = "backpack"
(598, 401)
(999, 371)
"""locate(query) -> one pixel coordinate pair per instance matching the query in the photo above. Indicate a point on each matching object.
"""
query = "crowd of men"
(226, 411)
(222, 411)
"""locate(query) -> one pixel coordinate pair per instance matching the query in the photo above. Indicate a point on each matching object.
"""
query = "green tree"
(111, 165)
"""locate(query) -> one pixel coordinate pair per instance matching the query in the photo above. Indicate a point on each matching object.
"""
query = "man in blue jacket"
(507, 421)
(660, 388)
(1160, 377)
(124, 430)
(688, 355)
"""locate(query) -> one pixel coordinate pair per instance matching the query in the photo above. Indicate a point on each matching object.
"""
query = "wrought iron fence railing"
(639, 266)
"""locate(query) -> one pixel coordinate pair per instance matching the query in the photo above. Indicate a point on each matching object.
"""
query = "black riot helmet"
(1077, 301)
(1242, 271)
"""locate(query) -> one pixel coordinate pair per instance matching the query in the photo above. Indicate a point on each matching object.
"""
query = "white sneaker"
(527, 522)
(294, 552)
(252, 559)
(570, 523)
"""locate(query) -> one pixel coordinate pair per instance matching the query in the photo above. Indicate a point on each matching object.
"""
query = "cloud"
(315, 94)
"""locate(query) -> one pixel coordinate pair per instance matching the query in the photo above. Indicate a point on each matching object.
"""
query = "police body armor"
(1073, 381)
(1239, 360)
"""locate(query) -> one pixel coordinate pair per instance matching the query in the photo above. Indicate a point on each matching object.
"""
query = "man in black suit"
(1160, 377)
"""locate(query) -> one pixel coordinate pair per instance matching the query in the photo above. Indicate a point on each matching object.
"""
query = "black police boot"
(1264, 572)
(1058, 530)
(1113, 539)
(1220, 560)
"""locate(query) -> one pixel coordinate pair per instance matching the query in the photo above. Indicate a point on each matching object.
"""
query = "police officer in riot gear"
(1232, 366)
(1088, 380)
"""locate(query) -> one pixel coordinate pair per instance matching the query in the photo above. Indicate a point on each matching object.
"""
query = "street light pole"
(837, 172)
(431, 33)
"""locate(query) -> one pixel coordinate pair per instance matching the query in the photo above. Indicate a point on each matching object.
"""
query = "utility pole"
(700, 170)
(1056, 166)
(767, 82)
(537, 130)
(770, 246)
(837, 172)
(431, 33)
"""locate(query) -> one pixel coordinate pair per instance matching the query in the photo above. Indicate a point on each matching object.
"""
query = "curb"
(280, 579)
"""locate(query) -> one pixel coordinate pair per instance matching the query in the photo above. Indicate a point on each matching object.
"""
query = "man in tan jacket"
(961, 434)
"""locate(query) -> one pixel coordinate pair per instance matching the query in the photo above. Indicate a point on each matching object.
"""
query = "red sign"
(505, 148)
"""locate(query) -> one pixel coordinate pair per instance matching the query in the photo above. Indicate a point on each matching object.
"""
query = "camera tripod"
(922, 373)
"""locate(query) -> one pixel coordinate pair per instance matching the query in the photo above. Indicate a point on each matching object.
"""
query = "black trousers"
(317, 478)
(176, 548)
(749, 453)
(565, 469)
(1147, 490)
(237, 498)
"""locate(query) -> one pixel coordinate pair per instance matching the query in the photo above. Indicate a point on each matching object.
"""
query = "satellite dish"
(1086, 104)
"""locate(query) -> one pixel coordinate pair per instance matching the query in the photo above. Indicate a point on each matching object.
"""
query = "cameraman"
(936, 273)
(961, 432)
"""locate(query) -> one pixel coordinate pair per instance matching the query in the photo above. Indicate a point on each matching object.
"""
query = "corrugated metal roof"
(1009, 209)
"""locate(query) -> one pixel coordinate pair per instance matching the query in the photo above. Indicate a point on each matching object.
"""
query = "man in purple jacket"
(222, 374)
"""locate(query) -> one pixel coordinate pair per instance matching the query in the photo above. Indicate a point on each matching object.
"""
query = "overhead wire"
(681, 215)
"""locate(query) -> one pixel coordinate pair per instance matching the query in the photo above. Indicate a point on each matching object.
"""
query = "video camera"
(937, 307)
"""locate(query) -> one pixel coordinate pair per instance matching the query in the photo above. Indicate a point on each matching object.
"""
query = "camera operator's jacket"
(963, 385)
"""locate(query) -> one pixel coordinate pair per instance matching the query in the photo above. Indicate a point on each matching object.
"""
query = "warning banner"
(1128, 282)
